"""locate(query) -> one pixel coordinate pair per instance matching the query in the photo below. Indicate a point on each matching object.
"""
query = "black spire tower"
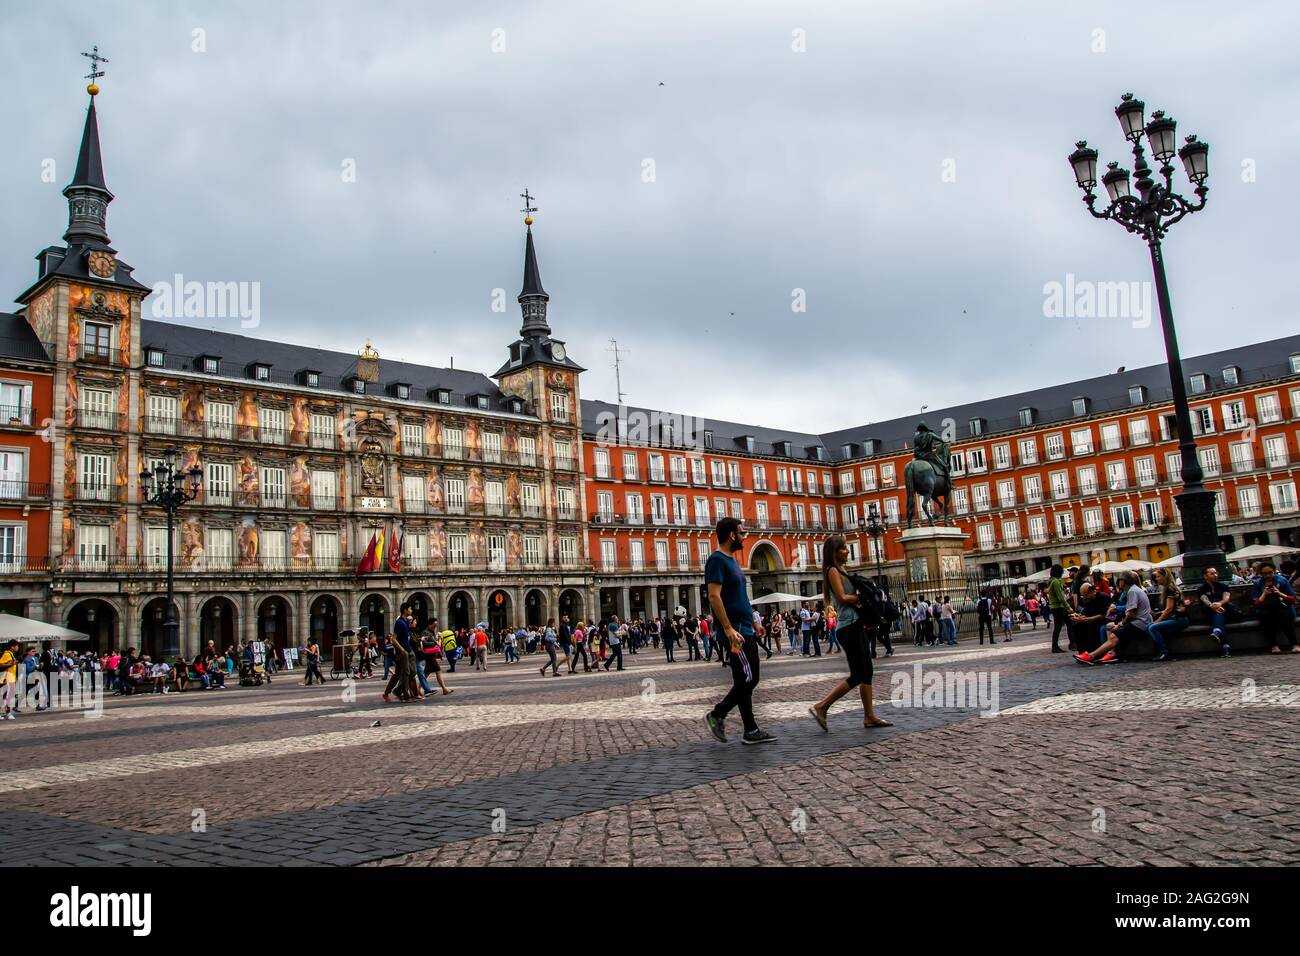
(88, 196)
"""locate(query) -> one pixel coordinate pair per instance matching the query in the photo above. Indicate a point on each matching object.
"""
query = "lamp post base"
(1200, 536)
(171, 637)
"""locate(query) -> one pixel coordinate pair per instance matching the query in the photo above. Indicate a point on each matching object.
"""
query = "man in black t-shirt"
(1217, 598)
(1087, 621)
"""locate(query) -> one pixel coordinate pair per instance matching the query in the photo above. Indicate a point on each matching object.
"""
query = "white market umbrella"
(25, 629)
(1137, 564)
(1111, 567)
(1260, 552)
(1038, 577)
(1175, 562)
(780, 597)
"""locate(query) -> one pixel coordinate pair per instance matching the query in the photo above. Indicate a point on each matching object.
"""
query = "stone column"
(693, 602)
(623, 607)
(301, 619)
(652, 602)
(247, 623)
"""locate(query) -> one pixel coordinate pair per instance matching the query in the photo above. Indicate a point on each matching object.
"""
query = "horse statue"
(922, 478)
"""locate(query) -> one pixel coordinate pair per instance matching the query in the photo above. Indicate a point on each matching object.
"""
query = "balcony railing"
(16, 415)
(17, 489)
(102, 355)
(105, 420)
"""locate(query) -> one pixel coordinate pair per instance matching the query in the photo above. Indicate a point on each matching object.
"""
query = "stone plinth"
(933, 560)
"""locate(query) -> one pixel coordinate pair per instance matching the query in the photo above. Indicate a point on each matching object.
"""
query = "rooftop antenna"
(618, 380)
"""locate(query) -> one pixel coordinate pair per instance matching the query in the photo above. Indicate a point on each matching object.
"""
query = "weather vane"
(95, 72)
(529, 208)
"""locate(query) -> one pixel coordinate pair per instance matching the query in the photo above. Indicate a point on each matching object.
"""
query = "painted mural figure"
(191, 545)
(300, 483)
(248, 543)
(246, 422)
(433, 492)
(299, 421)
(300, 545)
(249, 491)
(474, 491)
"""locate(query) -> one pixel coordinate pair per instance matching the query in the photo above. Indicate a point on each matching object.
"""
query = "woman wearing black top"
(851, 632)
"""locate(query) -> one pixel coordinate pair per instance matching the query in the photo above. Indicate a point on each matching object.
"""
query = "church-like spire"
(532, 298)
(88, 196)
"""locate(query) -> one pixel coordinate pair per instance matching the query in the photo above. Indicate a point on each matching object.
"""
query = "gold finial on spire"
(529, 208)
(95, 72)
(369, 352)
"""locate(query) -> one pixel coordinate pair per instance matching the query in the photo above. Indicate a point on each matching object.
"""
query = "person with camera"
(851, 632)
(1275, 599)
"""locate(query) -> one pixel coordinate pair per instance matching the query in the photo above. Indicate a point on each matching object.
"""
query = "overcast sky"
(772, 169)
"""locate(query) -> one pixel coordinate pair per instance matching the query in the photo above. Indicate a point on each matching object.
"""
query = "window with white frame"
(1006, 493)
(1011, 533)
(324, 489)
(659, 509)
(887, 475)
(496, 551)
(453, 443)
(1087, 478)
(1146, 471)
(960, 501)
(492, 447)
(697, 471)
(16, 402)
(816, 516)
(957, 463)
(975, 461)
(846, 482)
(1092, 522)
(325, 549)
(455, 488)
(1151, 514)
(891, 510)
(1121, 517)
(605, 506)
(1275, 451)
(1064, 524)
(219, 483)
(528, 451)
(869, 478)
(155, 547)
(661, 555)
(565, 505)
(13, 472)
(985, 537)
(457, 550)
(162, 414)
(1116, 475)
(827, 487)
(92, 547)
(760, 514)
(1248, 501)
(702, 552)
(702, 512)
(273, 487)
(1242, 456)
(531, 499)
(219, 547)
(1081, 441)
(412, 493)
(1028, 451)
(563, 454)
(733, 474)
(1139, 431)
(737, 509)
(12, 538)
(322, 430)
(635, 513)
(494, 497)
(629, 466)
(1268, 408)
(854, 556)
(559, 407)
(1033, 485)
(678, 466)
(1200, 383)
(980, 495)
(1174, 465)
(271, 425)
(1002, 456)
(657, 468)
(568, 550)
(600, 458)
(532, 550)
(1209, 460)
(718, 471)
(719, 508)
(1203, 420)
(850, 512)
(272, 549)
(1282, 494)
(97, 408)
(760, 478)
(415, 550)
(1055, 445)
(636, 554)
(1234, 415)
(1110, 437)
(1060, 485)
(220, 417)
(412, 438)
(683, 555)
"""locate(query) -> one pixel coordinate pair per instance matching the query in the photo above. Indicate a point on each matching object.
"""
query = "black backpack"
(873, 606)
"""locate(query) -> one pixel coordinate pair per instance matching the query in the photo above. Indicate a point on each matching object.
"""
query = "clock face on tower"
(102, 264)
(557, 351)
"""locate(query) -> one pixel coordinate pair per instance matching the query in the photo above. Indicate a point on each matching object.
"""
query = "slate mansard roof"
(1260, 362)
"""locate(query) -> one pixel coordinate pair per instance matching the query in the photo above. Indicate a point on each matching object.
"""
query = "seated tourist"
(1217, 598)
(1273, 596)
(161, 673)
(1172, 616)
(180, 673)
(1087, 622)
(1136, 621)
(217, 672)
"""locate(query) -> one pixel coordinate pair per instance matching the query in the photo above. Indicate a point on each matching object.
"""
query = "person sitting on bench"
(1137, 619)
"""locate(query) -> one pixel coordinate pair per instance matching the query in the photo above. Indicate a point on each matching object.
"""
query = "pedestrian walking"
(617, 635)
(313, 662)
(551, 641)
(729, 599)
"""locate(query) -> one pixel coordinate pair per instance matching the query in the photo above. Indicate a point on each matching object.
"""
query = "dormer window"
(1137, 394)
(516, 406)
(1231, 375)
(846, 451)
(358, 387)
(1200, 383)
(309, 377)
(210, 364)
(261, 373)
(442, 396)
(977, 426)
(1295, 363)
(481, 401)
(870, 446)
(1028, 416)
(816, 452)
(1080, 407)
(748, 442)
(155, 358)
(708, 438)
(401, 390)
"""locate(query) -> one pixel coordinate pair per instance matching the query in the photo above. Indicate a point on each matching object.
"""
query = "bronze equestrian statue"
(927, 474)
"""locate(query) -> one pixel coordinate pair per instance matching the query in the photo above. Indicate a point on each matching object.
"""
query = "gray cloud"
(775, 170)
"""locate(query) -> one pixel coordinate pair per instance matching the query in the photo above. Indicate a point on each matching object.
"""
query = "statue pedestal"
(933, 558)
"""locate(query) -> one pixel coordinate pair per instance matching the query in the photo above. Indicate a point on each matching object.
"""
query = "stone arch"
(324, 609)
(218, 620)
(100, 618)
(536, 608)
(460, 609)
(766, 557)
(571, 603)
(375, 612)
(422, 607)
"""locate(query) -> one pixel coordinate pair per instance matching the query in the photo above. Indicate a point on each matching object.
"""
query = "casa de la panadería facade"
(334, 487)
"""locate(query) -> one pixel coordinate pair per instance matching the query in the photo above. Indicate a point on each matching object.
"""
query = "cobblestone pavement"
(1002, 755)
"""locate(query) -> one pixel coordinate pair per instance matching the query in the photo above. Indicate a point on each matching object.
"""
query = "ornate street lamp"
(877, 529)
(169, 488)
(1149, 214)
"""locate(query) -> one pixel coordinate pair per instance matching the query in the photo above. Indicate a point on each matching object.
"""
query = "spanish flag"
(374, 556)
